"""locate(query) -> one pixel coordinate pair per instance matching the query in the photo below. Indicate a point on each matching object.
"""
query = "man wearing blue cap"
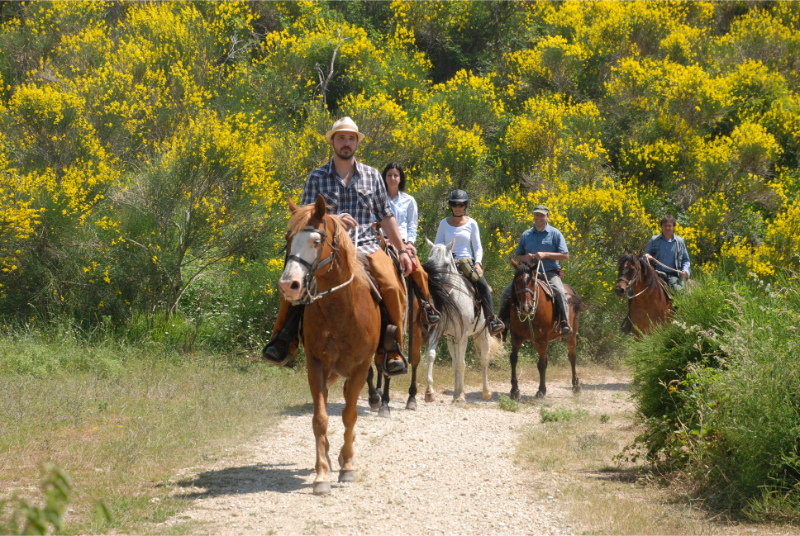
(546, 243)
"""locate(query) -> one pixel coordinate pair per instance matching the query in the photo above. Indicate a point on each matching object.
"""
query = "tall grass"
(121, 419)
(719, 389)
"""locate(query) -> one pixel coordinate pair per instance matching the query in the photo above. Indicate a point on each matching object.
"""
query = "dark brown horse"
(341, 324)
(418, 336)
(648, 300)
(533, 318)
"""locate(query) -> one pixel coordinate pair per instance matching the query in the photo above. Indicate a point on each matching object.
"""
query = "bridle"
(526, 290)
(637, 274)
(310, 294)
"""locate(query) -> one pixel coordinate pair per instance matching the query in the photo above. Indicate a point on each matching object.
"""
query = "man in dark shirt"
(357, 193)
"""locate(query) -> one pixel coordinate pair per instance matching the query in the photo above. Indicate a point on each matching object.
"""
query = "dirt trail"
(444, 468)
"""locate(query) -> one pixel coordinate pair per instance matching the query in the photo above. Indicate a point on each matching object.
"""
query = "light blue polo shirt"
(550, 240)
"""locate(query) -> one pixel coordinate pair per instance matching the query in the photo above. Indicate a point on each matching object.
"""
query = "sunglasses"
(457, 205)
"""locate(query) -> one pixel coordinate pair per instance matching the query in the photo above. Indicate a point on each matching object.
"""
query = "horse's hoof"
(374, 402)
(576, 389)
(487, 395)
(347, 476)
(460, 400)
(322, 488)
(411, 404)
(540, 394)
(514, 395)
(384, 412)
(430, 397)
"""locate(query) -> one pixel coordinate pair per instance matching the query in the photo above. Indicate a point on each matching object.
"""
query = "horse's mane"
(649, 275)
(440, 286)
(348, 255)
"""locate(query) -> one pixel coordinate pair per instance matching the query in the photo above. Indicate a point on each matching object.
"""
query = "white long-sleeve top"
(406, 213)
(465, 236)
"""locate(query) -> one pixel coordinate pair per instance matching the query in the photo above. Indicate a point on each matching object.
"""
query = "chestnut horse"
(648, 300)
(341, 323)
(533, 319)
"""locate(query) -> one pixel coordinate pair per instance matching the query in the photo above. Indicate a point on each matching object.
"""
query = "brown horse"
(648, 300)
(533, 318)
(341, 324)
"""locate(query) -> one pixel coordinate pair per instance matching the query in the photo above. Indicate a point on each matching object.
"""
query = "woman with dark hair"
(406, 213)
(466, 237)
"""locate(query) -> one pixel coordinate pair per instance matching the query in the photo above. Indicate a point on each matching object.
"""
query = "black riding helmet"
(458, 196)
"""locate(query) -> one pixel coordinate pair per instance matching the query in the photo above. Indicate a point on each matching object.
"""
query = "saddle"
(663, 279)
(473, 294)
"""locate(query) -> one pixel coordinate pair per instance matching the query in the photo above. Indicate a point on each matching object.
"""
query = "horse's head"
(441, 256)
(629, 271)
(312, 244)
(524, 286)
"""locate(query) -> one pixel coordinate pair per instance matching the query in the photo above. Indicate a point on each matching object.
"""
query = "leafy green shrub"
(561, 414)
(506, 404)
(719, 390)
(25, 518)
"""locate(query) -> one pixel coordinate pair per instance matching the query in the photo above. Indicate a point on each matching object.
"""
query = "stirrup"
(390, 346)
(498, 329)
(564, 328)
(429, 315)
(273, 354)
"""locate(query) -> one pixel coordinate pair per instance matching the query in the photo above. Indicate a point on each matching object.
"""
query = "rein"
(310, 281)
(528, 318)
(629, 282)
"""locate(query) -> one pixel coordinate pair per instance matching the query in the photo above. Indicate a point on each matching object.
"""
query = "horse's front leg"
(430, 394)
(352, 389)
(317, 381)
(374, 397)
(572, 345)
(385, 412)
(541, 349)
(515, 344)
(458, 351)
(483, 345)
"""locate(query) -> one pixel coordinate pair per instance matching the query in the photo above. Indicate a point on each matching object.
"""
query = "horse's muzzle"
(619, 290)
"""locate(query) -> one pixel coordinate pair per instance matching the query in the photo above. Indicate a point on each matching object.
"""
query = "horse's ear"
(319, 207)
(430, 244)
(626, 252)
(292, 206)
(515, 264)
(450, 245)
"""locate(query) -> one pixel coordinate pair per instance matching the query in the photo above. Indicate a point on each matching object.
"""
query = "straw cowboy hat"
(345, 124)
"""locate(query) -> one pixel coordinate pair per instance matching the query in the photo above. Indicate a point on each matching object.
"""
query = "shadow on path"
(281, 478)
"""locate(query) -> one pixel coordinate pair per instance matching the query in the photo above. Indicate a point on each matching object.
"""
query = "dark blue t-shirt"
(550, 240)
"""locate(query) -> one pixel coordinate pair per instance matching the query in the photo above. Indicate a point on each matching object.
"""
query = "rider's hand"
(412, 252)
(406, 264)
(535, 256)
(648, 257)
(684, 275)
(349, 221)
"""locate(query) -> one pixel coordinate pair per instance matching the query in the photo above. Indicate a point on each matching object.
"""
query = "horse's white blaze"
(457, 332)
(304, 246)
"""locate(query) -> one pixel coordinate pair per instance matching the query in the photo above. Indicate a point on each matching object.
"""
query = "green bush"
(561, 414)
(719, 391)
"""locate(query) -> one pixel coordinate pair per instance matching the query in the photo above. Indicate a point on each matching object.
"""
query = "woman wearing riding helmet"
(406, 213)
(463, 231)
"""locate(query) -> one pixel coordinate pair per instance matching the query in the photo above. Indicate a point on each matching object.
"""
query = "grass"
(123, 429)
(506, 404)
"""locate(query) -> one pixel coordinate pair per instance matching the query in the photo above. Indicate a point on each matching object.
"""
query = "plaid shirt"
(365, 199)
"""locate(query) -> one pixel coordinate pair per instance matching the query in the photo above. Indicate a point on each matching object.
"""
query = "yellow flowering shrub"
(555, 136)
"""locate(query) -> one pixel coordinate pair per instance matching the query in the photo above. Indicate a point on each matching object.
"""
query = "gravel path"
(456, 475)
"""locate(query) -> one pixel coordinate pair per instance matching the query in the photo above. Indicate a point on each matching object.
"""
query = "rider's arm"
(440, 233)
(412, 221)
(685, 264)
(475, 238)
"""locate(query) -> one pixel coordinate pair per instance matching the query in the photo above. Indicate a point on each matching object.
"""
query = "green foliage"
(561, 414)
(506, 404)
(25, 518)
(719, 396)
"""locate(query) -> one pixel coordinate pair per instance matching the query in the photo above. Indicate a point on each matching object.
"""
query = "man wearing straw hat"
(356, 192)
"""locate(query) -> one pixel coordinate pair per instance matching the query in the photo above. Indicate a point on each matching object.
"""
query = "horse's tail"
(576, 301)
(441, 289)
(495, 347)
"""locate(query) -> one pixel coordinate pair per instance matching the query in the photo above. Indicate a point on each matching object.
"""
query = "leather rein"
(311, 293)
